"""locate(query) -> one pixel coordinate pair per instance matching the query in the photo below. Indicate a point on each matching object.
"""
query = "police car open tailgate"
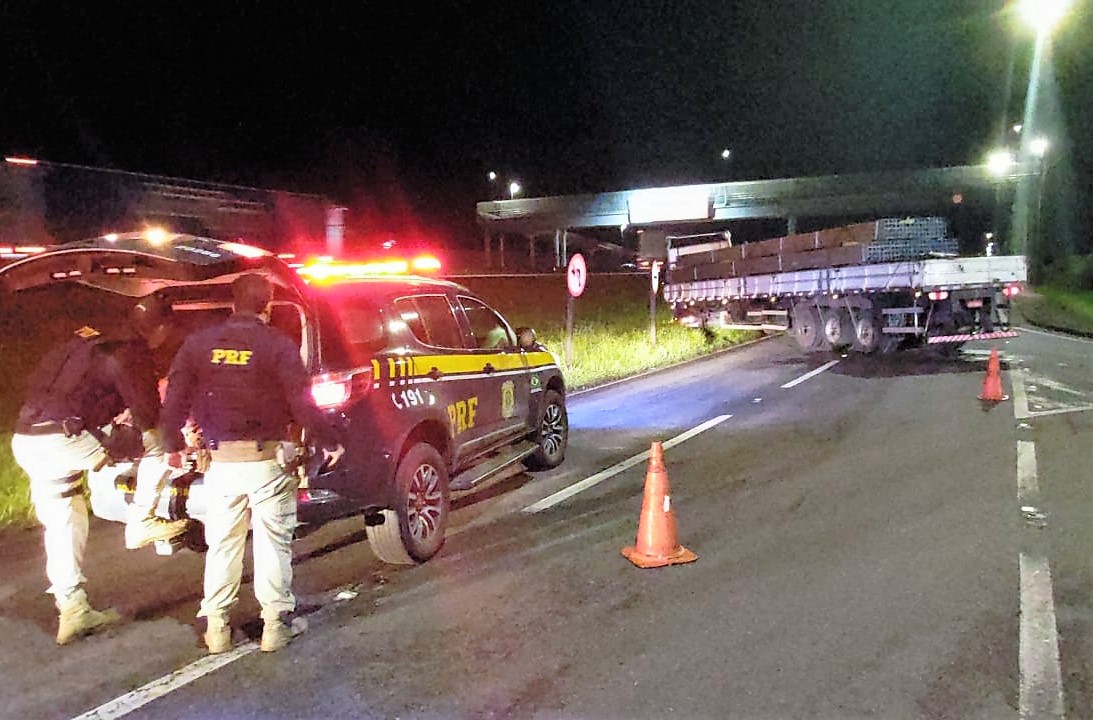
(137, 264)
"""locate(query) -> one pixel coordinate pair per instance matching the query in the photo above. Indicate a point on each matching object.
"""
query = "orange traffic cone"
(992, 384)
(657, 545)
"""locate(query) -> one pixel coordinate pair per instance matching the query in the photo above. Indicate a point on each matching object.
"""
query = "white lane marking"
(130, 701)
(812, 374)
(1057, 336)
(1041, 694)
(592, 480)
(1020, 397)
(1028, 486)
(1041, 680)
(1020, 400)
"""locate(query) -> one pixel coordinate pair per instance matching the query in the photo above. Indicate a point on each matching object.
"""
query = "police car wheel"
(413, 530)
(551, 433)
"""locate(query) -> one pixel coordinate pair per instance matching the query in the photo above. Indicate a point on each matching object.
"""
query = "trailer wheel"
(867, 334)
(838, 329)
(807, 328)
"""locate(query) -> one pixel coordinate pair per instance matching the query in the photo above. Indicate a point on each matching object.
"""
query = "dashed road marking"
(593, 480)
(1041, 683)
(130, 701)
(809, 375)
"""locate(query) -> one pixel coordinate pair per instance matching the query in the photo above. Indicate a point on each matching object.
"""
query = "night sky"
(400, 110)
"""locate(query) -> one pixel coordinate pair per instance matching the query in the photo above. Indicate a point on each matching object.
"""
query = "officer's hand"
(179, 461)
(331, 457)
(152, 441)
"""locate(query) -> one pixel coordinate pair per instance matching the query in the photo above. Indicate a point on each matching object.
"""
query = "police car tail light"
(332, 391)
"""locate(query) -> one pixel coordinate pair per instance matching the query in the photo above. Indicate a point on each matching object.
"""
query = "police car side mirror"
(525, 338)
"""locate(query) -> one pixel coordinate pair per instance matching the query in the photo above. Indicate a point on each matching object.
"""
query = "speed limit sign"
(576, 275)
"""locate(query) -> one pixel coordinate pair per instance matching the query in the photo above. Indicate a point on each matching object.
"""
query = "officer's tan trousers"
(56, 465)
(241, 494)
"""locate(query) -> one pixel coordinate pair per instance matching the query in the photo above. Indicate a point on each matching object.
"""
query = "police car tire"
(393, 540)
(551, 433)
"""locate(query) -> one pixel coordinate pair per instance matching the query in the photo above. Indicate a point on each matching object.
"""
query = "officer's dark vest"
(59, 387)
(233, 390)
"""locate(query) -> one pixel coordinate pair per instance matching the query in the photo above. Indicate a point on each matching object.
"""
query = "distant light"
(20, 161)
(389, 243)
(1039, 146)
(514, 189)
(999, 162)
(110, 237)
(155, 235)
(492, 175)
(726, 154)
(1043, 15)
(244, 250)
(1017, 127)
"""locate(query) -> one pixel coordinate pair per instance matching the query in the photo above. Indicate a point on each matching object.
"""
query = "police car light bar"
(333, 270)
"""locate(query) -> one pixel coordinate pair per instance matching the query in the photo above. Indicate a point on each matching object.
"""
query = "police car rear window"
(352, 331)
(431, 320)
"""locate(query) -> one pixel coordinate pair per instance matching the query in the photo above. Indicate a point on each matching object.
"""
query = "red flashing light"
(324, 270)
(1011, 290)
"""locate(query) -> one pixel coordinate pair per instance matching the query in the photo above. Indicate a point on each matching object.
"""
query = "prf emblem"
(508, 399)
(461, 414)
(224, 356)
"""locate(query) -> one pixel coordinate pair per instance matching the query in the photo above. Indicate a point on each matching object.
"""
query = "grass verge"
(1058, 308)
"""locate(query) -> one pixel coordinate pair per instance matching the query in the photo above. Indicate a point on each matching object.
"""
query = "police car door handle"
(435, 373)
(489, 368)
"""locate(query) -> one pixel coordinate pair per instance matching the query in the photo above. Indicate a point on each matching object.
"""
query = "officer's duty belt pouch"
(243, 451)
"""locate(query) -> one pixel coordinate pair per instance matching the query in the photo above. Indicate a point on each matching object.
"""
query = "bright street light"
(1039, 146)
(1000, 162)
(1043, 15)
(514, 189)
(726, 154)
(492, 175)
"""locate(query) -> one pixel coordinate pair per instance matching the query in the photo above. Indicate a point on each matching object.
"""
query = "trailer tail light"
(334, 391)
(938, 295)
(1011, 290)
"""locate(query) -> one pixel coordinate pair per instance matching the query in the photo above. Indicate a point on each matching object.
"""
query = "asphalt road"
(872, 541)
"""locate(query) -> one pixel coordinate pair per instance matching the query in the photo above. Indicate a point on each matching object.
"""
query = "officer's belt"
(50, 427)
(243, 451)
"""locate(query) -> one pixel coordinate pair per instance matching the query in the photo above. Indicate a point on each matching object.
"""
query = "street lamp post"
(1042, 16)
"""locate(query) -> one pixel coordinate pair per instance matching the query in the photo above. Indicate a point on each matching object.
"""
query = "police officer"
(76, 390)
(243, 383)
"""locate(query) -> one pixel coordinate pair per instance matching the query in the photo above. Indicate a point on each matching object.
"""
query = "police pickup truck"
(432, 390)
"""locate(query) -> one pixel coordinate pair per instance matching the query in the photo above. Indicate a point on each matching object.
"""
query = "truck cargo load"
(870, 287)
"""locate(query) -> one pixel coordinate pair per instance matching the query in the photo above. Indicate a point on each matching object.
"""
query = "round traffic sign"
(576, 275)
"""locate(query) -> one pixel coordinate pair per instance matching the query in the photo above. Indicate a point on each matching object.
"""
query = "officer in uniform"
(243, 383)
(75, 393)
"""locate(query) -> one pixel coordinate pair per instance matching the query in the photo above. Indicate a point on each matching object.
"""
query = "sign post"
(654, 285)
(576, 277)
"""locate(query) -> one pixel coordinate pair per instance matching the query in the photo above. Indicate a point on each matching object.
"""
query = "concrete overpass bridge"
(555, 223)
